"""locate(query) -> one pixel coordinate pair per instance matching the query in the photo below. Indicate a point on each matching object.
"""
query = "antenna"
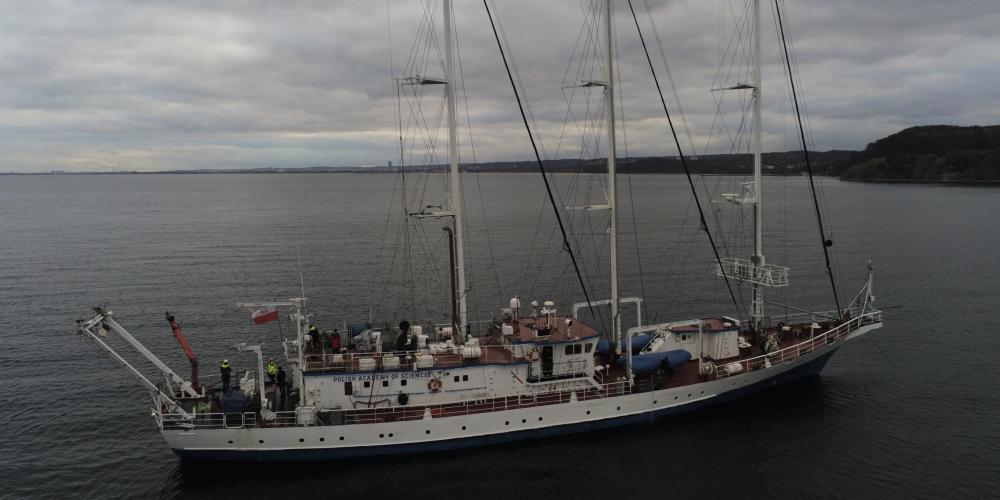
(302, 282)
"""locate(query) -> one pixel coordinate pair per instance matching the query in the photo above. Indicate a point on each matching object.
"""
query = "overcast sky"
(224, 84)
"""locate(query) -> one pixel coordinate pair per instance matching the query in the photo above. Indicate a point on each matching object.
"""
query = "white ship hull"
(455, 432)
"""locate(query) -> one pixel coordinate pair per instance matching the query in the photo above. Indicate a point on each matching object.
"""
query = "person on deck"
(335, 341)
(282, 381)
(404, 333)
(314, 337)
(272, 370)
(226, 371)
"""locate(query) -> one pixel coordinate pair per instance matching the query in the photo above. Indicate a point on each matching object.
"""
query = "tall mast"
(456, 178)
(757, 308)
(609, 93)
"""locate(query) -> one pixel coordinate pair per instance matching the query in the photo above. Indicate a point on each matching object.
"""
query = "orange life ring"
(434, 385)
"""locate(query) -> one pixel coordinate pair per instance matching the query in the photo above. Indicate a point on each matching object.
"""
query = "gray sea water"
(910, 412)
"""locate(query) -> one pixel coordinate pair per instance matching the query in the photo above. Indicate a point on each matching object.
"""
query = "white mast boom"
(456, 178)
(757, 311)
(609, 93)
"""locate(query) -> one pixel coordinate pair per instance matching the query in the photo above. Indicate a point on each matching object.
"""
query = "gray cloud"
(158, 85)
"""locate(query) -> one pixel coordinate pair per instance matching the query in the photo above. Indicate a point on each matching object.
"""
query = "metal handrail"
(174, 421)
(793, 352)
(407, 359)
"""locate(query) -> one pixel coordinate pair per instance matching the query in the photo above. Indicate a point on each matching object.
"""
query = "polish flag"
(264, 315)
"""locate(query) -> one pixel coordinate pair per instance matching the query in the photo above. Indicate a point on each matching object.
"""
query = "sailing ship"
(534, 371)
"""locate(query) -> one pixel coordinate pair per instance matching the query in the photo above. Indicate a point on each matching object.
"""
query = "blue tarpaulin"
(233, 401)
(650, 362)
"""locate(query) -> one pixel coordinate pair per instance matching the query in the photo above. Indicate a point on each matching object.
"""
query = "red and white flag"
(264, 315)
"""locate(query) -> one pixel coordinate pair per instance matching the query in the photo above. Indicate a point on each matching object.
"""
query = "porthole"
(428, 431)
(655, 401)
(322, 439)
(619, 408)
(341, 438)
(675, 398)
(261, 441)
(380, 436)
(524, 420)
(456, 378)
(505, 423)
(463, 427)
(230, 442)
(390, 434)
(402, 382)
(539, 419)
(588, 412)
(301, 440)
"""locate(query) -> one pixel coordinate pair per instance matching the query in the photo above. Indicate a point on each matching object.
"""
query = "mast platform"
(768, 275)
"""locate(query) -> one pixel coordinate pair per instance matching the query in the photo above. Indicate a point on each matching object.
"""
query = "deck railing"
(410, 360)
(793, 352)
(173, 421)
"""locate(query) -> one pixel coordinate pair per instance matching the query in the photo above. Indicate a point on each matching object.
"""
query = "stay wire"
(680, 153)
(538, 158)
(805, 152)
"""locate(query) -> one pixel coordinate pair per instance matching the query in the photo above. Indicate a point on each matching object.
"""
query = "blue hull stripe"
(811, 368)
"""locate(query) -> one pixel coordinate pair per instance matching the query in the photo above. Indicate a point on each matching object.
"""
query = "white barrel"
(417, 330)
(366, 364)
(507, 330)
(734, 368)
(446, 332)
(390, 362)
(305, 415)
(421, 341)
(471, 352)
(425, 361)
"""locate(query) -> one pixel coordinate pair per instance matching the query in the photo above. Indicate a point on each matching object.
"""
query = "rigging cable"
(538, 158)
(805, 151)
(680, 152)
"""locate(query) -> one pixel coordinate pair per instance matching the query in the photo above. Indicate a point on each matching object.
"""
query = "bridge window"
(385, 383)
(589, 347)
(367, 384)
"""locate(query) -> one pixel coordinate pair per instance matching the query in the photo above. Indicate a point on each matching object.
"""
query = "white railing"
(409, 360)
(557, 371)
(792, 353)
(762, 274)
(175, 421)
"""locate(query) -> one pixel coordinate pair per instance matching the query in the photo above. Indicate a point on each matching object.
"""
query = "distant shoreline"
(936, 182)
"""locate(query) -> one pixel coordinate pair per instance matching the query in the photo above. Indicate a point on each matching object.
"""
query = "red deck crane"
(191, 356)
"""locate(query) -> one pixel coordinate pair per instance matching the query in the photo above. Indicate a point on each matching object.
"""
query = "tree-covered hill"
(938, 153)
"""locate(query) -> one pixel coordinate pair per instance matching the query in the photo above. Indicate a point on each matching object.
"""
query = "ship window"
(368, 384)
(577, 348)
(465, 378)
(569, 348)
(456, 378)
(589, 347)
(402, 382)
(348, 390)
(385, 383)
